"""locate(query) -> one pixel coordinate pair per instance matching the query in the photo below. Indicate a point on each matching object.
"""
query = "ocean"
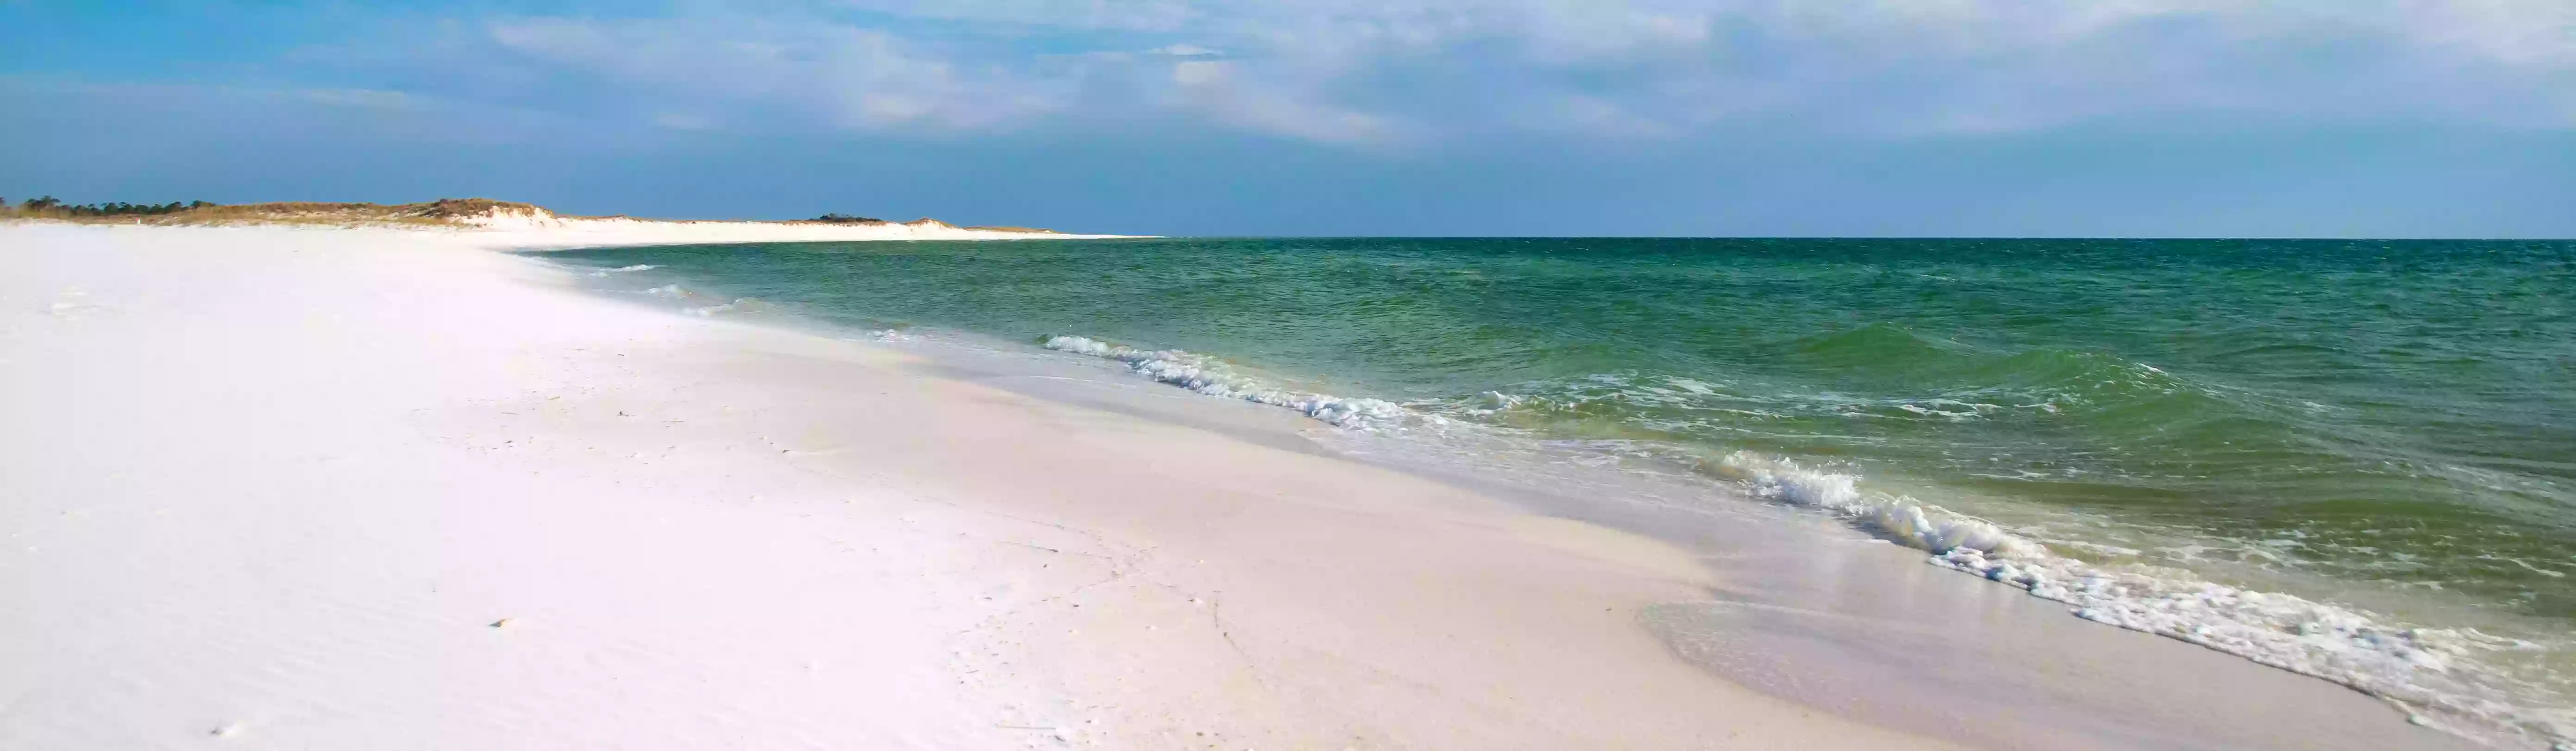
(2355, 459)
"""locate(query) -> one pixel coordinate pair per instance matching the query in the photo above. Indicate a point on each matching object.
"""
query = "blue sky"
(2379, 118)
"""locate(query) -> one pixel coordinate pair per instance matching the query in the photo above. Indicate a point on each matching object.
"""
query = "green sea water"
(2381, 419)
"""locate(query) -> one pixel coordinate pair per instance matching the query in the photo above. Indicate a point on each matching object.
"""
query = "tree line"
(52, 206)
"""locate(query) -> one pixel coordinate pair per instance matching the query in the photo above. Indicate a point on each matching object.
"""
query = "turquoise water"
(2393, 422)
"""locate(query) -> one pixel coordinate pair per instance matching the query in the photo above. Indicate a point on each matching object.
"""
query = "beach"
(278, 487)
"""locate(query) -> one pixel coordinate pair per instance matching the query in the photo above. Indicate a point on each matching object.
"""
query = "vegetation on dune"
(51, 206)
(442, 211)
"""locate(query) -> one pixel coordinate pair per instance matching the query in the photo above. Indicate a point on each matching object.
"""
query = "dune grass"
(445, 211)
(441, 212)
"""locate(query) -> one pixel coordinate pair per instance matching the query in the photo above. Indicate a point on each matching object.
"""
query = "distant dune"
(467, 213)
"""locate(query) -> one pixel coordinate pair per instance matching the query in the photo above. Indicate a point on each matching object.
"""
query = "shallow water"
(2384, 425)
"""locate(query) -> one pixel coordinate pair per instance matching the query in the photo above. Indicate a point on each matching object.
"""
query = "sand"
(377, 488)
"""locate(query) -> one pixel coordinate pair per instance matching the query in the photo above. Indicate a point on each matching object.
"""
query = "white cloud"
(1217, 89)
(851, 77)
(1196, 73)
(1130, 15)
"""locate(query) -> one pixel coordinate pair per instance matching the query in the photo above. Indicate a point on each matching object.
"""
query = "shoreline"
(2458, 669)
(519, 227)
(1121, 580)
(1678, 516)
(533, 226)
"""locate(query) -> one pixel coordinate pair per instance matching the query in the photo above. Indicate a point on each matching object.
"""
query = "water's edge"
(2447, 677)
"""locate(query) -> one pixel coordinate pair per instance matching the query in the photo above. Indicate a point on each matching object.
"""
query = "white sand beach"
(290, 488)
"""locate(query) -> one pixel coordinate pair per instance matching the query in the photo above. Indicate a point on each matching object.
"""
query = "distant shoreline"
(471, 213)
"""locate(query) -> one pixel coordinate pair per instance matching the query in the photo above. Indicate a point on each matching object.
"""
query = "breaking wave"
(2435, 673)
(1212, 377)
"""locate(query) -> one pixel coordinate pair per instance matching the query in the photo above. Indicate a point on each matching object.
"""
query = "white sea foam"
(1208, 376)
(1914, 524)
(621, 269)
(677, 292)
(2437, 673)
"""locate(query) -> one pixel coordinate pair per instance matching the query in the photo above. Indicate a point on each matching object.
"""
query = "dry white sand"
(287, 489)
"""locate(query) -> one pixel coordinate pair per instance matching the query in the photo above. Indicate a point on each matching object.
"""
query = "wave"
(1913, 524)
(677, 292)
(622, 269)
(2435, 673)
(1885, 358)
(2120, 396)
(1209, 376)
(2441, 676)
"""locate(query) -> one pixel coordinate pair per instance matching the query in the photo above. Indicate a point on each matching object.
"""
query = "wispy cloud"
(841, 75)
(1221, 90)
(1393, 71)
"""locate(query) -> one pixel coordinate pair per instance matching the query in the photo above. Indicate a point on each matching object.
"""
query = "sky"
(1994, 118)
